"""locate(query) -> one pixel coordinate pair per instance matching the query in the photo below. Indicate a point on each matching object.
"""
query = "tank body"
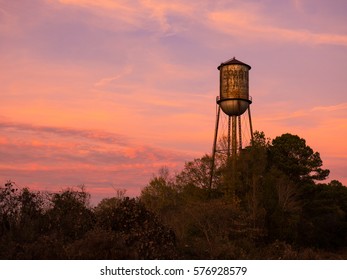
(234, 87)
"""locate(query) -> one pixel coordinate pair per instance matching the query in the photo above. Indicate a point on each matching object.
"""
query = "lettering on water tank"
(234, 81)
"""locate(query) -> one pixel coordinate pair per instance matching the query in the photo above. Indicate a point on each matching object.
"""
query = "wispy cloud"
(253, 25)
(96, 135)
(53, 157)
(104, 81)
(323, 127)
(310, 117)
(138, 14)
(331, 108)
(101, 92)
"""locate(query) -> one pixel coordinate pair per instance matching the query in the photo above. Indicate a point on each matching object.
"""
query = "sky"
(105, 93)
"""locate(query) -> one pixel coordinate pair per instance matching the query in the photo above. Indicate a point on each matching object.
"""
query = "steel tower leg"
(240, 135)
(250, 124)
(229, 142)
(214, 146)
(233, 159)
(234, 140)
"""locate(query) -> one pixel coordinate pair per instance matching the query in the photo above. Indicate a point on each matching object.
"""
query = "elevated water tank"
(234, 96)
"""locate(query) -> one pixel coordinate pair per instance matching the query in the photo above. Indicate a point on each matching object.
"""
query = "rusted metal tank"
(234, 96)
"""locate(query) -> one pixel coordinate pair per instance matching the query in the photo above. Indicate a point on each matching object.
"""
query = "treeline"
(63, 225)
(266, 204)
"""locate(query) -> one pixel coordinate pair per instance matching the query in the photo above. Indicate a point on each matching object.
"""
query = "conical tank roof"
(233, 61)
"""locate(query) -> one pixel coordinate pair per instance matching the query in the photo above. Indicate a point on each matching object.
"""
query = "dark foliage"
(142, 232)
(297, 160)
(269, 205)
(64, 226)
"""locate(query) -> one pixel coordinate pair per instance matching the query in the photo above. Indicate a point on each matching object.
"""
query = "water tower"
(234, 100)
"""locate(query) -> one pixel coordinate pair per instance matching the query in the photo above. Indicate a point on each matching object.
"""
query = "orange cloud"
(48, 157)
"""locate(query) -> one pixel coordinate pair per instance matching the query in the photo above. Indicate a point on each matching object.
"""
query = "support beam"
(234, 139)
(229, 133)
(250, 124)
(240, 134)
(214, 146)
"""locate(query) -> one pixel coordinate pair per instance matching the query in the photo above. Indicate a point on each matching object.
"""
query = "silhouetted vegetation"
(271, 205)
(63, 225)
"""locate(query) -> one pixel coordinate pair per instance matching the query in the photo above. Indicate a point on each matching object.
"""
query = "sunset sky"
(105, 92)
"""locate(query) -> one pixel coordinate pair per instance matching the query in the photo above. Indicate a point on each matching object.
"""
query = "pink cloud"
(112, 90)
(252, 25)
(143, 14)
(52, 157)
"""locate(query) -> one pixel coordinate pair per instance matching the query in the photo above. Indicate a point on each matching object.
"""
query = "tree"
(140, 230)
(70, 216)
(251, 167)
(290, 154)
(196, 172)
(283, 205)
(160, 194)
(194, 179)
(324, 218)
(9, 207)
